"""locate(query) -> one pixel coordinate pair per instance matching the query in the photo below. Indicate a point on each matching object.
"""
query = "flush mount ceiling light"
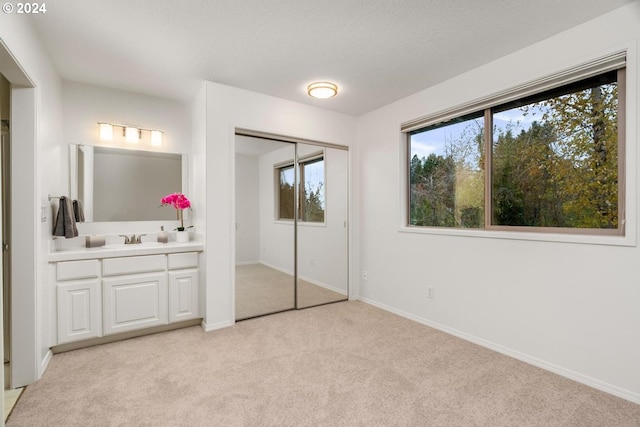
(322, 90)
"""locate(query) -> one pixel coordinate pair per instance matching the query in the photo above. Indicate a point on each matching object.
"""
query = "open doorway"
(21, 329)
(5, 188)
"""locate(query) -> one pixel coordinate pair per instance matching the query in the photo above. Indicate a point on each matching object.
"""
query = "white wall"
(198, 180)
(85, 105)
(228, 108)
(36, 135)
(569, 307)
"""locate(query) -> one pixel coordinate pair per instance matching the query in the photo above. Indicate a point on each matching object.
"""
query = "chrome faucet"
(128, 240)
(133, 239)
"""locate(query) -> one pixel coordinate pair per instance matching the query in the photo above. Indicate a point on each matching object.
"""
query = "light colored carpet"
(344, 364)
(262, 290)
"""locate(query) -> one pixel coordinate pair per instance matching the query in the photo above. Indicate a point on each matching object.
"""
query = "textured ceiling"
(377, 51)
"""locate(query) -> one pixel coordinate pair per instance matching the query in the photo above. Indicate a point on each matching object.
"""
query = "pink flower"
(179, 201)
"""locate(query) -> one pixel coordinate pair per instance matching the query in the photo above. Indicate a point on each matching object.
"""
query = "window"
(547, 161)
(447, 174)
(286, 185)
(311, 190)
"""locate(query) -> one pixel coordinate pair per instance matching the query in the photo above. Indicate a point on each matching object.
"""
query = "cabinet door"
(79, 311)
(134, 302)
(183, 295)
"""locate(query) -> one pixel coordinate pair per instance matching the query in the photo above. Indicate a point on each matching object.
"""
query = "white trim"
(567, 373)
(628, 240)
(247, 262)
(305, 278)
(281, 270)
(215, 326)
(45, 362)
(324, 285)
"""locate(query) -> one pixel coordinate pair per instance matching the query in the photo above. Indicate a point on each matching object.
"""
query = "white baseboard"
(567, 373)
(45, 363)
(215, 326)
(246, 262)
(282, 270)
(324, 285)
(307, 279)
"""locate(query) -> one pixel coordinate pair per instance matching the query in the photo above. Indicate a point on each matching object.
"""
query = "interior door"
(265, 233)
(322, 226)
(291, 225)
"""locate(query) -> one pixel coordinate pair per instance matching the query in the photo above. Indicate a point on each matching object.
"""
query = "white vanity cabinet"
(134, 293)
(117, 292)
(183, 287)
(79, 302)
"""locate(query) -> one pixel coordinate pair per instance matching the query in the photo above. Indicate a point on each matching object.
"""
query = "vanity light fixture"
(322, 90)
(106, 131)
(156, 138)
(130, 134)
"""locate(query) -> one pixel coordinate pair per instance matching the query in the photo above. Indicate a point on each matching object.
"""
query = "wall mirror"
(291, 225)
(116, 184)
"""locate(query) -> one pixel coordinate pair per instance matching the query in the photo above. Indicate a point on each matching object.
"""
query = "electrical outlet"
(431, 293)
(364, 275)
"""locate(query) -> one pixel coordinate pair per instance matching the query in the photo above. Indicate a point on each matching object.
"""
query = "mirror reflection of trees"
(554, 164)
(286, 209)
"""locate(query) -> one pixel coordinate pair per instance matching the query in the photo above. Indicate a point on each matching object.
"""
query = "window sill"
(301, 223)
(312, 224)
(628, 240)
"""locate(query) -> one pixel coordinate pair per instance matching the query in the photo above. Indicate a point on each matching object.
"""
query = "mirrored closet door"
(264, 233)
(321, 238)
(291, 225)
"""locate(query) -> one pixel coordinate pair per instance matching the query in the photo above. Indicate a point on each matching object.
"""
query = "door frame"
(295, 140)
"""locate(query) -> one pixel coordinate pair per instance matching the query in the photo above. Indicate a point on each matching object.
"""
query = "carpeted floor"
(262, 290)
(344, 364)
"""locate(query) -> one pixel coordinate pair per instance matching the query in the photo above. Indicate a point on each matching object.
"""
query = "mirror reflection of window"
(312, 190)
(281, 263)
(285, 192)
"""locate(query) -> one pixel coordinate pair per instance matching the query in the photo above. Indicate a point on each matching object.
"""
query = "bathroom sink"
(147, 244)
(133, 245)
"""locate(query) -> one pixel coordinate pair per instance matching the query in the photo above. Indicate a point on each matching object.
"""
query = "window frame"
(277, 169)
(302, 163)
(298, 184)
(617, 62)
(621, 177)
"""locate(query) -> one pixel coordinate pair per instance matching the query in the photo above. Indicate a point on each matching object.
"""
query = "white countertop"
(120, 250)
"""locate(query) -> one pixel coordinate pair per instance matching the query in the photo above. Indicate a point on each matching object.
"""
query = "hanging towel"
(78, 212)
(65, 224)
